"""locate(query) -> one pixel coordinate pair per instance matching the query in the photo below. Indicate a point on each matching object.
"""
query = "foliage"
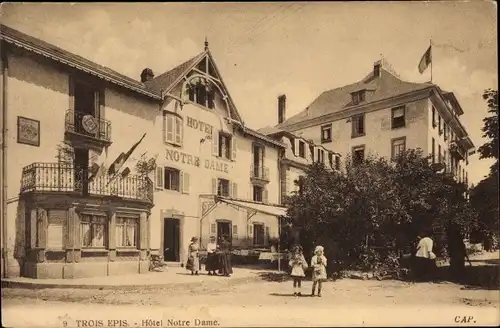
(375, 209)
(145, 165)
(484, 196)
(490, 127)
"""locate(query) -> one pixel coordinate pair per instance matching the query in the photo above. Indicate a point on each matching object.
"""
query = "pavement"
(152, 280)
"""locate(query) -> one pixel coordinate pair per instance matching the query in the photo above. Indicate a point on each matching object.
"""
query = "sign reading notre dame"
(180, 157)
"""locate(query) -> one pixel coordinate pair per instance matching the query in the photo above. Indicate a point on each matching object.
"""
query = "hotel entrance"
(224, 230)
(171, 239)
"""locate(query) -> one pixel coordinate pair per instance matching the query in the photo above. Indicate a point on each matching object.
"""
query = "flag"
(123, 157)
(96, 169)
(425, 61)
(125, 172)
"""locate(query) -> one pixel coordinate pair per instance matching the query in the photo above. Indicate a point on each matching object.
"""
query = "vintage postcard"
(267, 164)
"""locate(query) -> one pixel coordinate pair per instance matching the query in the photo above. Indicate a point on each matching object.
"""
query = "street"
(262, 303)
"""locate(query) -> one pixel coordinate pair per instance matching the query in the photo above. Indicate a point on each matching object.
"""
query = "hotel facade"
(99, 171)
(383, 115)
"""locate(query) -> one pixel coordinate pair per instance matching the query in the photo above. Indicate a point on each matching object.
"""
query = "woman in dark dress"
(212, 259)
(225, 258)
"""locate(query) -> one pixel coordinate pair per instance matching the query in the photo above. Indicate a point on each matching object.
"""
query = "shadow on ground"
(475, 277)
(289, 295)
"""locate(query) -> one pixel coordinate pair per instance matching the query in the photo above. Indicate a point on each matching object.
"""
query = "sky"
(295, 48)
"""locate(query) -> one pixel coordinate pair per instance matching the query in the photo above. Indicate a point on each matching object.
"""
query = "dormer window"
(302, 149)
(358, 96)
(201, 93)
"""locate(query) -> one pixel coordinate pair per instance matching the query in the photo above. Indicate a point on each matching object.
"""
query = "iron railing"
(51, 177)
(456, 149)
(74, 123)
(259, 172)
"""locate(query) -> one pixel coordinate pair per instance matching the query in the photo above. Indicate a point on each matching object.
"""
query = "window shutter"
(178, 131)
(264, 195)
(235, 191)
(214, 186)
(230, 193)
(296, 141)
(213, 228)
(250, 229)
(215, 143)
(185, 183)
(235, 230)
(267, 235)
(159, 177)
(233, 147)
(169, 128)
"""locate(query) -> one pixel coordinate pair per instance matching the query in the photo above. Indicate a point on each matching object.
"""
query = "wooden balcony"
(84, 128)
(65, 178)
(259, 173)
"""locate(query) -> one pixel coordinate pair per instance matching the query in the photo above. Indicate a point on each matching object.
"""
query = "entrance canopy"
(273, 210)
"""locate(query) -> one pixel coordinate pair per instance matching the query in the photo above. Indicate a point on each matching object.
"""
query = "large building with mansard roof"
(383, 114)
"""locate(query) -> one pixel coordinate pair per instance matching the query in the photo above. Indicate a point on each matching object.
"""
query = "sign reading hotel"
(184, 158)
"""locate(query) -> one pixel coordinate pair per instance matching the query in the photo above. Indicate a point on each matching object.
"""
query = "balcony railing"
(259, 172)
(86, 125)
(53, 177)
(456, 149)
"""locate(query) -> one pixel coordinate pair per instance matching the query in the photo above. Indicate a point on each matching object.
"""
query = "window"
(326, 133)
(466, 178)
(398, 117)
(93, 230)
(302, 149)
(433, 117)
(439, 125)
(56, 229)
(445, 160)
(337, 163)
(223, 188)
(358, 126)
(321, 156)
(358, 97)
(258, 152)
(433, 149)
(257, 193)
(258, 234)
(173, 129)
(358, 154)
(224, 146)
(445, 126)
(171, 179)
(201, 92)
(235, 230)
(439, 154)
(398, 146)
(126, 232)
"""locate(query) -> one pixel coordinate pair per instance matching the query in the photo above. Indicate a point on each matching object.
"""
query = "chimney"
(281, 108)
(377, 68)
(147, 74)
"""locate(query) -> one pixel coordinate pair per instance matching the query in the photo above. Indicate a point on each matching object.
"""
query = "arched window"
(201, 92)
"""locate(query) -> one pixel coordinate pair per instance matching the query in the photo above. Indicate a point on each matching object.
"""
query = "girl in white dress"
(298, 264)
(318, 264)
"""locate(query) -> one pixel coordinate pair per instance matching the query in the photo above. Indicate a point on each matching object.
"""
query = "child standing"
(298, 264)
(318, 263)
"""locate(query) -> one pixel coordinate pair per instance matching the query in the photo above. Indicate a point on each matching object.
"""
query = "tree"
(484, 196)
(373, 210)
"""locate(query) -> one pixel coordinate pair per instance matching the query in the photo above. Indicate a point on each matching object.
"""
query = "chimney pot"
(281, 109)
(376, 68)
(147, 74)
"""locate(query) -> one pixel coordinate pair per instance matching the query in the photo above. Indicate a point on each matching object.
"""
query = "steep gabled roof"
(163, 83)
(168, 79)
(377, 88)
(53, 52)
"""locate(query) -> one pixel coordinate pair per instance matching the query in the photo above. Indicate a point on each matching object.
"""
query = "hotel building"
(99, 171)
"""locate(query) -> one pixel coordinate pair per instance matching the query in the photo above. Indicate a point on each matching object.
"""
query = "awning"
(261, 208)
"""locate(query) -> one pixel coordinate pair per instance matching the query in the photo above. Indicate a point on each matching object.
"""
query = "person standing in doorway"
(298, 265)
(193, 263)
(425, 258)
(318, 264)
(225, 267)
(212, 259)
